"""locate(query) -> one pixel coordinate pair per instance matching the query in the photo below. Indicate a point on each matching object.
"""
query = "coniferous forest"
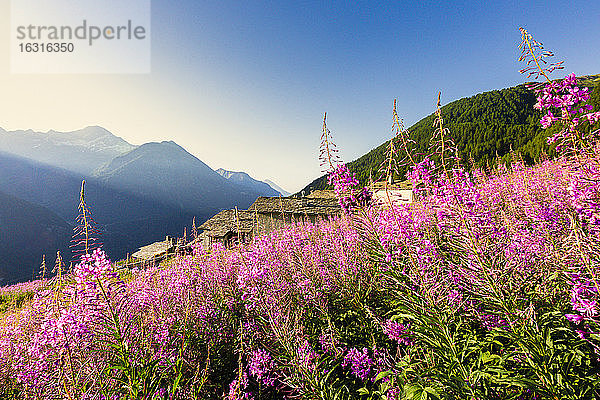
(485, 128)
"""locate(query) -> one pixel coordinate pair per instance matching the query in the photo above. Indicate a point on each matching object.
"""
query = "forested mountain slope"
(483, 127)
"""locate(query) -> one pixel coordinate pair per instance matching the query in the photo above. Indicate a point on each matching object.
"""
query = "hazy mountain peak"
(92, 137)
(278, 188)
(92, 130)
(80, 151)
(150, 160)
(246, 181)
(229, 174)
(165, 150)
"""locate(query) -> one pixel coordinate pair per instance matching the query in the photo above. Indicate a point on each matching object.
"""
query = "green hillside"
(483, 127)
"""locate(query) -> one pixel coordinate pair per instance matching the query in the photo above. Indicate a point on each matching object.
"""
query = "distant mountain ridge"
(167, 173)
(137, 194)
(87, 148)
(243, 179)
(278, 188)
(126, 220)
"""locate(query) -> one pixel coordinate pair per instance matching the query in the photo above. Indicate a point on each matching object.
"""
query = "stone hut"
(155, 251)
(227, 228)
(266, 214)
(322, 194)
(276, 212)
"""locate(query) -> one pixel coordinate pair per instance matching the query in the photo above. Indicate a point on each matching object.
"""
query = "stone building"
(156, 251)
(227, 227)
(265, 215)
(396, 193)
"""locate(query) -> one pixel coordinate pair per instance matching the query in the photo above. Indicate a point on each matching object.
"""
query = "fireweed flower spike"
(343, 181)
(328, 152)
(345, 187)
(536, 57)
(563, 101)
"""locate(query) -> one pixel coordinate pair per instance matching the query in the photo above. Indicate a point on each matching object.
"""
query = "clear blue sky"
(243, 85)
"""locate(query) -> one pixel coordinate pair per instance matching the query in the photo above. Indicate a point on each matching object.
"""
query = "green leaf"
(382, 375)
(363, 391)
(432, 392)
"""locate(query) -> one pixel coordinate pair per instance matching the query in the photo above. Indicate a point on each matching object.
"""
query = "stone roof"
(322, 194)
(153, 250)
(290, 205)
(226, 221)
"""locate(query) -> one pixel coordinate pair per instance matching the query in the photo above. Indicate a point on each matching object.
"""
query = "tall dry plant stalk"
(43, 267)
(441, 143)
(391, 166)
(536, 58)
(86, 232)
(328, 152)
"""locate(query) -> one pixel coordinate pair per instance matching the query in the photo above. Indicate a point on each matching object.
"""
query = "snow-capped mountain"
(245, 180)
(80, 151)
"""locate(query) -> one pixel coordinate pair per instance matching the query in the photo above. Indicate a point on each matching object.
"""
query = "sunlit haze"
(244, 85)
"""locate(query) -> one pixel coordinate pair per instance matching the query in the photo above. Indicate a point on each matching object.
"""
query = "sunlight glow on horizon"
(244, 87)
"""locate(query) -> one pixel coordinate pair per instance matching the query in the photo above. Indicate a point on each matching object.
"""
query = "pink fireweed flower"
(583, 296)
(547, 120)
(570, 80)
(576, 318)
(585, 194)
(92, 267)
(360, 363)
(397, 332)
(345, 186)
(237, 390)
(261, 367)
(587, 307)
(593, 117)
(566, 97)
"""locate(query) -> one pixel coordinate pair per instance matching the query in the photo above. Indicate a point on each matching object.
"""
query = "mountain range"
(80, 151)
(243, 179)
(27, 231)
(137, 194)
(277, 188)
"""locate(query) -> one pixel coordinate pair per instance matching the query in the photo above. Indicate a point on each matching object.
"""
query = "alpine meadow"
(485, 286)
